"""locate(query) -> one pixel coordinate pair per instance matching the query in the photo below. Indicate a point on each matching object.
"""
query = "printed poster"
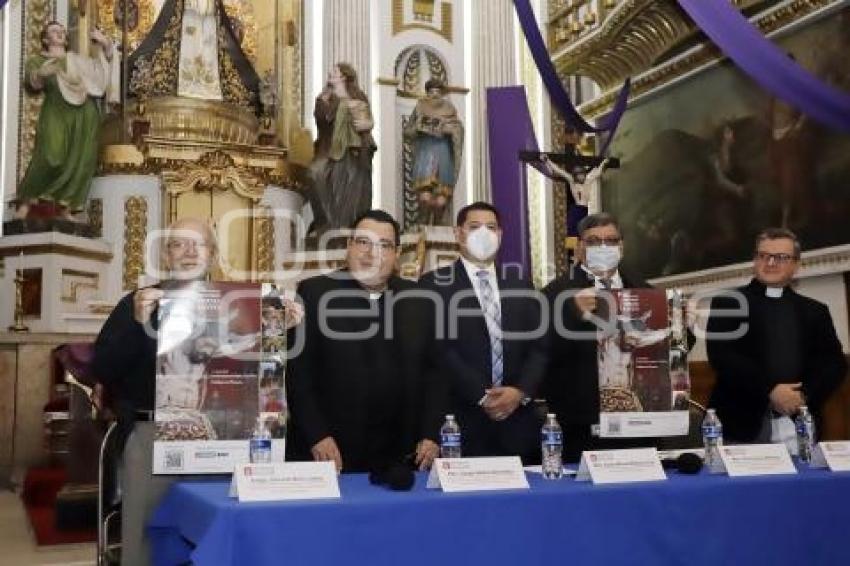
(219, 370)
(644, 386)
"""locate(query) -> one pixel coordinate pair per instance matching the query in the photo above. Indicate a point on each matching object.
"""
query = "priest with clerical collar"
(358, 391)
(772, 349)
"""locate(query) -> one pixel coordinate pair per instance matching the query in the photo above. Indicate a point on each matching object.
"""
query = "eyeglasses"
(775, 258)
(183, 244)
(596, 241)
(364, 244)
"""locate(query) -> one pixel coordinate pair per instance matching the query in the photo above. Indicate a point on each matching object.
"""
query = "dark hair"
(379, 216)
(779, 234)
(597, 220)
(479, 205)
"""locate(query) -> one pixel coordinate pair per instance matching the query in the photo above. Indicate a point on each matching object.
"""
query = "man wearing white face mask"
(571, 386)
(491, 375)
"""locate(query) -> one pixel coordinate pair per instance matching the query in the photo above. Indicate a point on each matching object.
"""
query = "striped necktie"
(493, 318)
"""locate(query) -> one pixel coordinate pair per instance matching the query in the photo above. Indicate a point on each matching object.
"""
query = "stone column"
(347, 33)
(11, 42)
(493, 31)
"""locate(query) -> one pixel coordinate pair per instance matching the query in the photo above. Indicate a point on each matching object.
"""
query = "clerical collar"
(774, 292)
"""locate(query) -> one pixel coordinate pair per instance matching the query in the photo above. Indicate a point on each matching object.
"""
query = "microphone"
(686, 463)
(395, 476)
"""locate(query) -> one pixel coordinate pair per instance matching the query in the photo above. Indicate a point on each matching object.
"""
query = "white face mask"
(482, 244)
(602, 258)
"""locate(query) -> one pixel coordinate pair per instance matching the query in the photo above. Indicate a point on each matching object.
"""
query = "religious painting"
(710, 161)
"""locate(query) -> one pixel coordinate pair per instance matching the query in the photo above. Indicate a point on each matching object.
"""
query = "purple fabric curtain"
(768, 65)
(509, 132)
(557, 93)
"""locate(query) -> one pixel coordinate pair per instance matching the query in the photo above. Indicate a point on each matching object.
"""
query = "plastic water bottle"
(260, 447)
(805, 434)
(450, 438)
(712, 439)
(552, 446)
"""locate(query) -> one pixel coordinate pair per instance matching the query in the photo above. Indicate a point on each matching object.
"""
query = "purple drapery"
(510, 131)
(557, 93)
(768, 65)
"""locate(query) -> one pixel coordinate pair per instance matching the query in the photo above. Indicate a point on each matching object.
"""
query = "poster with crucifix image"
(219, 370)
(644, 386)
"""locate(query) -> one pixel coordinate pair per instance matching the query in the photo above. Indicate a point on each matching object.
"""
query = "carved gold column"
(135, 234)
(36, 14)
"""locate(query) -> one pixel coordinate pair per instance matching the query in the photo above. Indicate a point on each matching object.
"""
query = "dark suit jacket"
(464, 360)
(367, 393)
(741, 394)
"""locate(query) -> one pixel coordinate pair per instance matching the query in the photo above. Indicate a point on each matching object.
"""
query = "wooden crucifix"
(579, 173)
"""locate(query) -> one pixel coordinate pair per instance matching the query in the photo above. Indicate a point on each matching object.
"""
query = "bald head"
(190, 247)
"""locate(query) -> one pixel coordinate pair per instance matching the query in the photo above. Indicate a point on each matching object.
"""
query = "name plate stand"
(285, 481)
(833, 455)
(620, 466)
(756, 460)
(477, 474)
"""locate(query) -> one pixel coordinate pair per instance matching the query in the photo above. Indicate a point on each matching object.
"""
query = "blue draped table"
(703, 519)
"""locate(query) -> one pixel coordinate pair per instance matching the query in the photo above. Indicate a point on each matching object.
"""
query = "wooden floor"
(17, 545)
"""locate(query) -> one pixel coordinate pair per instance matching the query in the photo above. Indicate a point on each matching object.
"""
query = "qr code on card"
(614, 425)
(174, 459)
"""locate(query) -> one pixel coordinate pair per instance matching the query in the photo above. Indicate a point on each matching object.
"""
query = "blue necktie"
(493, 319)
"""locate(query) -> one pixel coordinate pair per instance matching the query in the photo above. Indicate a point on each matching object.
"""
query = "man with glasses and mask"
(571, 387)
(356, 390)
(491, 347)
(775, 352)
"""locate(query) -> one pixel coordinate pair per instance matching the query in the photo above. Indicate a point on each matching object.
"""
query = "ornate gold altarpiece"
(206, 154)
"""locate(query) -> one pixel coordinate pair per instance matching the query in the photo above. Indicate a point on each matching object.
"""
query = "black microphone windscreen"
(399, 477)
(376, 478)
(689, 463)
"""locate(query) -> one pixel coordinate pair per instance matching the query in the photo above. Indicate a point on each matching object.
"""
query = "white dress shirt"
(616, 280)
(472, 271)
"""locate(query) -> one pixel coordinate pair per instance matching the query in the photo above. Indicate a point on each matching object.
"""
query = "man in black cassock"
(358, 393)
(786, 353)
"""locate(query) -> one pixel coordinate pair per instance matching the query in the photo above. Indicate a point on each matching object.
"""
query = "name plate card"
(757, 460)
(282, 482)
(620, 466)
(834, 455)
(477, 474)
